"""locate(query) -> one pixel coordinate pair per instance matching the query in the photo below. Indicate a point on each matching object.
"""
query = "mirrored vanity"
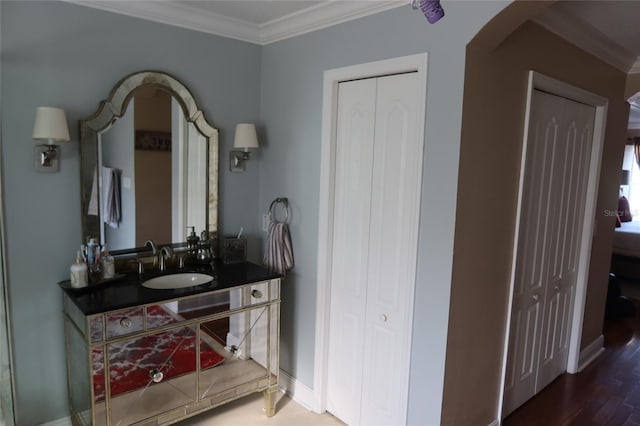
(173, 333)
(147, 356)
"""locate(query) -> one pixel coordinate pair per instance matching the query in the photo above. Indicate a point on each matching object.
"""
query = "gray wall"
(291, 109)
(70, 56)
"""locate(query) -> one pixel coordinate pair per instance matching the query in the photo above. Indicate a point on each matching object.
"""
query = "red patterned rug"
(130, 362)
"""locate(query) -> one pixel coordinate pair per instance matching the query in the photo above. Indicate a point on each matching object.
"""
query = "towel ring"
(272, 213)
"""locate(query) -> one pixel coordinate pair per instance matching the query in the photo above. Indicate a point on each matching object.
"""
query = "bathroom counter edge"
(128, 291)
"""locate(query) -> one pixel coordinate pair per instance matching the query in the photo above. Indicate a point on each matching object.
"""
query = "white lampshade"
(50, 125)
(245, 136)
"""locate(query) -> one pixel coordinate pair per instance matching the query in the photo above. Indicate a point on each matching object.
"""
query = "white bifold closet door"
(558, 154)
(374, 249)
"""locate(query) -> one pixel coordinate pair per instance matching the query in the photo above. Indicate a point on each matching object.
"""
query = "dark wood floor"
(607, 392)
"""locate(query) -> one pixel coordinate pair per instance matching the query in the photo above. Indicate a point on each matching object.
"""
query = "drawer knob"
(257, 294)
(156, 375)
(126, 322)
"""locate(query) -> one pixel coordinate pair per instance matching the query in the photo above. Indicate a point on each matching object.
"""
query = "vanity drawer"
(127, 321)
(257, 293)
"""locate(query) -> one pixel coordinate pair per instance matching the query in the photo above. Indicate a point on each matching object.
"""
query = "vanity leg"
(270, 402)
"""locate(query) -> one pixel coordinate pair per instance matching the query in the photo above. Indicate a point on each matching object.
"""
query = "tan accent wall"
(153, 169)
(492, 132)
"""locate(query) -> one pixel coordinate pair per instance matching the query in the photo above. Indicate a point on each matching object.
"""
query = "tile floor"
(248, 411)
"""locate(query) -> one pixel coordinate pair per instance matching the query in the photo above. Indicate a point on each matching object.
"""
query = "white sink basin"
(173, 281)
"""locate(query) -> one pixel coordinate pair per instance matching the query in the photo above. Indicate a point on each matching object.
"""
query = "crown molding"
(179, 15)
(585, 36)
(322, 15)
(186, 16)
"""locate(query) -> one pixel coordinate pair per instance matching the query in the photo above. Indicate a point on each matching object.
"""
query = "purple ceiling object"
(431, 9)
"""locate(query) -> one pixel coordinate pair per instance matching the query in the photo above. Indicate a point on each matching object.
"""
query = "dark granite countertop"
(127, 290)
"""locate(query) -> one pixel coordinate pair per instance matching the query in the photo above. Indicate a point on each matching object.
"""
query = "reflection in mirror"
(149, 165)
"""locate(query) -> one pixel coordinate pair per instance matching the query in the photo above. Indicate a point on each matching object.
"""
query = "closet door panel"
(532, 254)
(349, 275)
(394, 225)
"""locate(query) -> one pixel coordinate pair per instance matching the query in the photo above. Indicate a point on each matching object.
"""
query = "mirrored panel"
(150, 375)
(149, 165)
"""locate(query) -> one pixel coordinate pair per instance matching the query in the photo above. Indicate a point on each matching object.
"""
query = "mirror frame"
(113, 108)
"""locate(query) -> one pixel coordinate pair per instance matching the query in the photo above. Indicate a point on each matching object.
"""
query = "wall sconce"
(245, 139)
(50, 125)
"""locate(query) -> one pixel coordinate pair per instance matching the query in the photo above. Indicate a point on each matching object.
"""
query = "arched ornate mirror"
(149, 165)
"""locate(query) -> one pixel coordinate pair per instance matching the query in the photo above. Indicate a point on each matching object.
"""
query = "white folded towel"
(279, 254)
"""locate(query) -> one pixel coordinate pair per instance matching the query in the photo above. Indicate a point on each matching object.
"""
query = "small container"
(91, 251)
(234, 250)
(108, 264)
(203, 256)
(79, 273)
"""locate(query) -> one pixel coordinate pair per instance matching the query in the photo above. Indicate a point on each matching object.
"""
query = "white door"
(189, 177)
(376, 208)
(553, 205)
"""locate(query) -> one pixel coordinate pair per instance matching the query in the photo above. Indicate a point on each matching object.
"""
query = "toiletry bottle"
(79, 275)
(91, 252)
(108, 264)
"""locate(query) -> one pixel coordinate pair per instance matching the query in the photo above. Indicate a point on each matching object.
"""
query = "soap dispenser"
(79, 274)
(108, 264)
(192, 240)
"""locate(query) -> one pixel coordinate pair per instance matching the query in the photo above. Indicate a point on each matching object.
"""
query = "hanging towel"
(279, 254)
(111, 183)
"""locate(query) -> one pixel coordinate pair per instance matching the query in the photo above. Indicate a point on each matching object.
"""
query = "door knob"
(535, 297)
(556, 287)
(383, 318)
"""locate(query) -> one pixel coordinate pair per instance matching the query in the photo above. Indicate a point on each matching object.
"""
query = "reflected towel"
(279, 254)
(111, 183)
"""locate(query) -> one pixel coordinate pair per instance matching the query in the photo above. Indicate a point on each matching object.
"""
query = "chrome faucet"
(152, 245)
(164, 251)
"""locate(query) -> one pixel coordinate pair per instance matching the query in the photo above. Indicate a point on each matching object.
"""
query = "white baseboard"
(299, 392)
(66, 421)
(494, 423)
(590, 353)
